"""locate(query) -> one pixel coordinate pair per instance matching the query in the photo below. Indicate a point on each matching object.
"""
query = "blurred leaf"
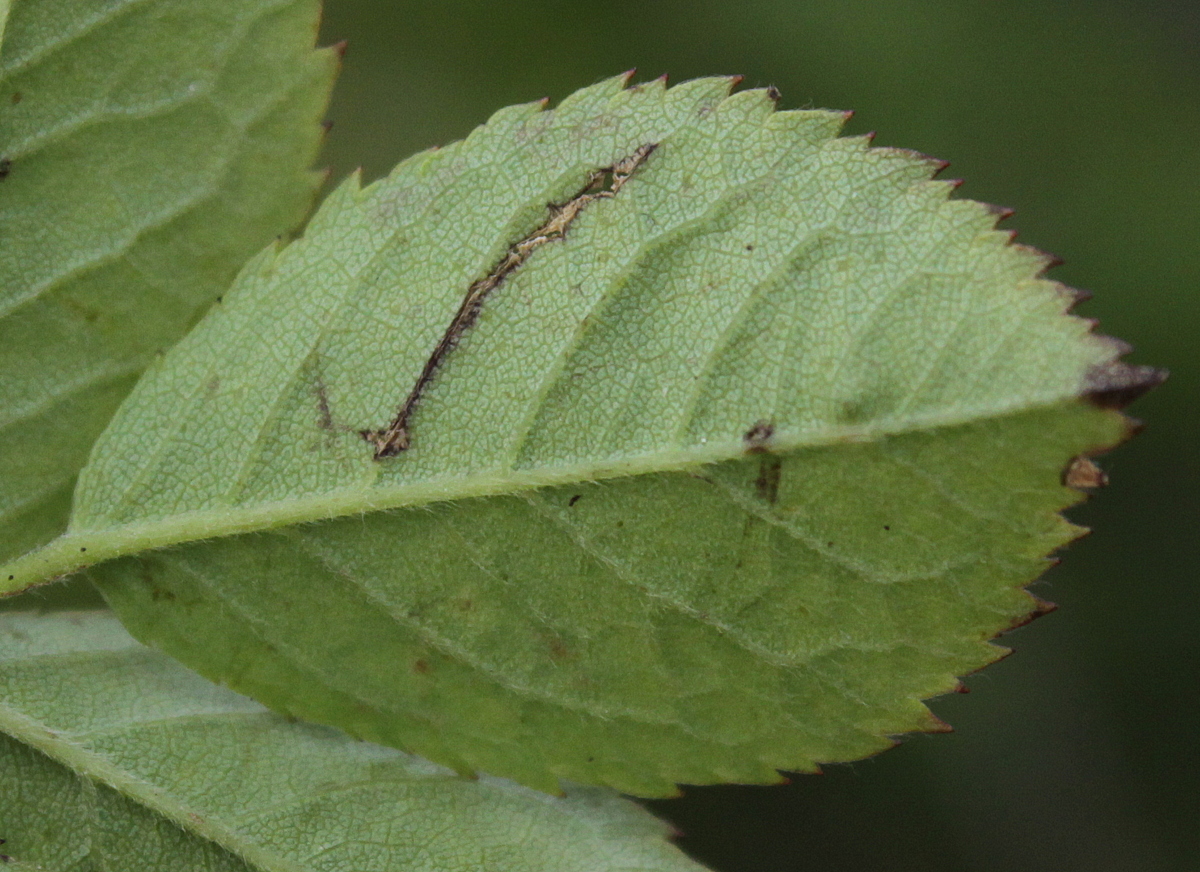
(723, 482)
(113, 756)
(149, 148)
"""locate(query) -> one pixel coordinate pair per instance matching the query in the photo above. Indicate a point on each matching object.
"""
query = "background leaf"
(149, 149)
(114, 756)
(828, 406)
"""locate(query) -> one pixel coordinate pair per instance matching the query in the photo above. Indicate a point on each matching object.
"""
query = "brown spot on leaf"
(5, 167)
(1083, 474)
(421, 667)
(573, 500)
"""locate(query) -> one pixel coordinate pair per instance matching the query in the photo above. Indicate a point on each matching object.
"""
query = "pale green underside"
(580, 570)
(154, 146)
(112, 756)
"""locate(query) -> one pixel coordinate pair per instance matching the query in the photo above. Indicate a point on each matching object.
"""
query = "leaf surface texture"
(724, 481)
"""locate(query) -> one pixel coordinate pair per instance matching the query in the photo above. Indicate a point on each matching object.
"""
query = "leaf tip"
(1000, 213)
(1115, 384)
(937, 725)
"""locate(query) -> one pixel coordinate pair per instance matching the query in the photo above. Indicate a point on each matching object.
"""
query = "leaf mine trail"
(601, 184)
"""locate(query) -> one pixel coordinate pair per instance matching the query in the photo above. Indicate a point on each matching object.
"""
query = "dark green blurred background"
(1082, 751)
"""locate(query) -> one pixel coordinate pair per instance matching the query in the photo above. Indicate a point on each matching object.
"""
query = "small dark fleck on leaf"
(756, 437)
(886, 527)
(573, 500)
(82, 549)
(5, 167)
(421, 666)
(749, 248)
(767, 484)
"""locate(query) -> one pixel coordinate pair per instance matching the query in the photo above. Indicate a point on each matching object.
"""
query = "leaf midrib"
(63, 556)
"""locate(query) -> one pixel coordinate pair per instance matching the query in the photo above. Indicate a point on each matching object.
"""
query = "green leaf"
(149, 149)
(727, 479)
(113, 756)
